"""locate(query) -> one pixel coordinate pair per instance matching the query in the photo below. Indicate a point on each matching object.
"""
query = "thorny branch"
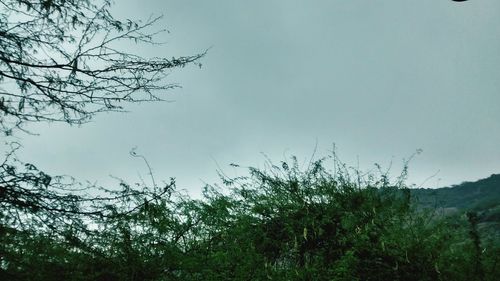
(60, 60)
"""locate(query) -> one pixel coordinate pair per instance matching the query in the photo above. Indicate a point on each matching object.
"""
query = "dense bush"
(280, 223)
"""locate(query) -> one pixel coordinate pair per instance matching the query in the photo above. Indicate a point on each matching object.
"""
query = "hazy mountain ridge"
(481, 196)
(478, 196)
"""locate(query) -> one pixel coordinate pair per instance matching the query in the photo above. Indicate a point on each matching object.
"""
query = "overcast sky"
(379, 79)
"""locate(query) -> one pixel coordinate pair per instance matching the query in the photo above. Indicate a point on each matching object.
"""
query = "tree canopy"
(65, 60)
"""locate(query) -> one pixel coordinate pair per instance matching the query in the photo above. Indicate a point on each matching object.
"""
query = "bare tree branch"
(60, 60)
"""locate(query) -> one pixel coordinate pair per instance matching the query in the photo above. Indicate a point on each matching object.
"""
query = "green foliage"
(479, 196)
(280, 223)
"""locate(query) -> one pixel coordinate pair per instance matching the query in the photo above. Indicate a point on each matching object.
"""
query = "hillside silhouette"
(481, 196)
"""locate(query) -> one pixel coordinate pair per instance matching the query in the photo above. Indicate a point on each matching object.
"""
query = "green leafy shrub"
(280, 223)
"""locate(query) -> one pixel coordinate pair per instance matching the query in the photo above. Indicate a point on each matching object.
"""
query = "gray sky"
(378, 78)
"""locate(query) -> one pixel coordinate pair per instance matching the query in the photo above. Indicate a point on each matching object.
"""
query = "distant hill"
(482, 196)
(479, 195)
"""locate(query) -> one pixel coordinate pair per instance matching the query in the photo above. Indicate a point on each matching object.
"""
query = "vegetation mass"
(61, 61)
(280, 223)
